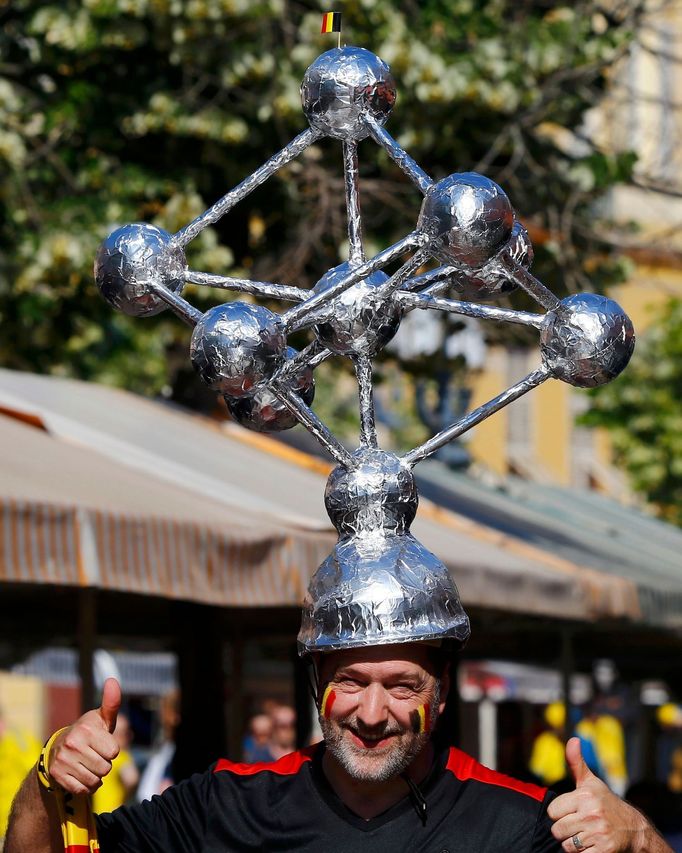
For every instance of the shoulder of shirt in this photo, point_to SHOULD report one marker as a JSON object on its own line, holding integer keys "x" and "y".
{"x": 466, "y": 768}
{"x": 288, "y": 765}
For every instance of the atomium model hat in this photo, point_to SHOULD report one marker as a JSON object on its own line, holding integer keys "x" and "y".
{"x": 379, "y": 585}
{"x": 372, "y": 592}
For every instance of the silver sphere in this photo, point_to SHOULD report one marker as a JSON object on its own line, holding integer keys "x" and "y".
{"x": 358, "y": 321}
{"x": 520, "y": 250}
{"x": 491, "y": 281}
{"x": 377, "y": 590}
{"x": 262, "y": 411}
{"x": 236, "y": 346}
{"x": 587, "y": 340}
{"x": 469, "y": 217}
{"x": 133, "y": 257}
{"x": 341, "y": 87}
{"x": 377, "y": 494}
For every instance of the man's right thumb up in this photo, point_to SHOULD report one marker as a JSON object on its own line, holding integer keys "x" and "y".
{"x": 111, "y": 703}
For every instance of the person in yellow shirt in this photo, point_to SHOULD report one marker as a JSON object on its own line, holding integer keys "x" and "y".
{"x": 121, "y": 781}
{"x": 548, "y": 760}
{"x": 669, "y": 717}
{"x": 19, "y": 751}
{"x": 610, "y": 745}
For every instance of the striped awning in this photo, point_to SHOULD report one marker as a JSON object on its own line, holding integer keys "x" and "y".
{"x": 100, "y": 488}
{"x": 74, "y": 546}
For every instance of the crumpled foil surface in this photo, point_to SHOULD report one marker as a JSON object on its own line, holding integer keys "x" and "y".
{"x": 341, "y": 86}
{"x": 470, "y": 218}
{"x": 587, "y": 340}
{"x": 359, "y": 321}
{"x": 236, "y": 346}
{"x": 379, "y": 585}
{"x": 492, "y": 280}
{"x": 379, "y": 589}
{"x": 263, "y": 411}
{"x": 133, "y": 257}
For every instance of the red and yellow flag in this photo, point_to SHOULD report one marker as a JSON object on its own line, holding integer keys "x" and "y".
{"x": 422, "y": 719}
{"x": 79, "y": 831}
{"x": 328, "y": 699}
{"x": 331, "y": 22}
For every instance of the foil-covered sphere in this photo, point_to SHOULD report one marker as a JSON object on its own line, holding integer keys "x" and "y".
{"x": 358, "y": 321}
{"x": 341, "y": 87}
{"x": 587, "y": 340}
{"x": 491, "y": 280}
{"x": 469, "y": 218}
{"x": 377, "y": 494}
{"x": 132, "y": 258}
{"x": 263, "y": 411}
{"x": 236, "y": 346}
{"x": 377, "y": 590}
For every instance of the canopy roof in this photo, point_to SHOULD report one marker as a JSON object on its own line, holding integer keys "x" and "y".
{"x": 100, "y": 487}
{"x": 579, "y": 526}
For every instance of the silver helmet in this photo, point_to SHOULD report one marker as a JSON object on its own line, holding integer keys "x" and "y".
{"x": 379, "y": 585}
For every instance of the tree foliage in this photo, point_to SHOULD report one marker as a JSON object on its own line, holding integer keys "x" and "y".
{"x": 643, "y": 413}
{"x": 122, "y": 110}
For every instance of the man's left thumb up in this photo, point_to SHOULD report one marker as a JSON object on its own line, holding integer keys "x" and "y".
{"x": 576, "y": 763}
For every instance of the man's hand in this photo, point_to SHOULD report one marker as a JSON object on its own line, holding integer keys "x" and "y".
{"x": 82, "y": 754}
{"x": 593, "y": 818}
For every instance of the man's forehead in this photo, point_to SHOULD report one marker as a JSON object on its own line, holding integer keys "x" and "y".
{"x": 394, "y": 657}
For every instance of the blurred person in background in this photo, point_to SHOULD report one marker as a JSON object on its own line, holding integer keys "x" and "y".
{"x": 283, "y": 731}
{"x": 669, "y": 718}
{"x": 660, "y": 798}
{"x": 548, "y": 759}
{"x": 19, "y": 751}
{"x": 613, "y": 709}
{"x": 609, "y": 741}
{"x": 586, "y": 731}
{"x": 257, "y": 744}
{"x": 158, "y": 772}
{"x": 119, "y": 784}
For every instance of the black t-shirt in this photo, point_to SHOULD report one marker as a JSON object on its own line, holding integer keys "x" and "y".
{"x": 289, "y": 805}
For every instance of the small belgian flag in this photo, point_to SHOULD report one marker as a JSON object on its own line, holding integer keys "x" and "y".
{"x": 331, "y": 22}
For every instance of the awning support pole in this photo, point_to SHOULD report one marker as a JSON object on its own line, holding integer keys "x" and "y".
{"x": 200, "y": 736}
{"x": 567, "y": 668}
{"x": 235, "y": 728}
{"x": 87, "y": 633}
{"x": 302, "y": 699}
{"x": 487, "y": 732}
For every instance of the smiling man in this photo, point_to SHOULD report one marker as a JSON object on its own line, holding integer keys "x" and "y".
{"x": 379, "y": 781}
{"x": 381, "y": 623}
{"x": 388, "y": 776}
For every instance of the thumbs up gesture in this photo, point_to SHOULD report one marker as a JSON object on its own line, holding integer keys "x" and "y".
{"x": 593, "y": 818}
{"x": 82, "y": 754}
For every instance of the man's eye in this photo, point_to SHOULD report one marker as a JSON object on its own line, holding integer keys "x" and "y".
{"x": 349, "y": 682}
{"x": 402, "y": 688}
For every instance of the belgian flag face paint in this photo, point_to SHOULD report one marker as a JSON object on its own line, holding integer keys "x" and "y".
{"x": 327, "y": 703}
{"x": 421, "y": 719}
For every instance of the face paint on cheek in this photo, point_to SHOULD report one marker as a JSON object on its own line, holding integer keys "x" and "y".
{"x": 327, "y": 703}
{"x": 421, "y": 719}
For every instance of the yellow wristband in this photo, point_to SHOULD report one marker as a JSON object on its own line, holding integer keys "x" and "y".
{"x": 43, "y": 763}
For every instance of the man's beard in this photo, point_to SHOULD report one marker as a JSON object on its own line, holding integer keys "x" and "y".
{"x": 384, "y": 763}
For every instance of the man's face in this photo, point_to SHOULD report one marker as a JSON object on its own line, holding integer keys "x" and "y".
{"x": 373, "y": 727}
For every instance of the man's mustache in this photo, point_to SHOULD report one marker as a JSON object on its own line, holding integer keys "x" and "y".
{"x": 374, "y": 733}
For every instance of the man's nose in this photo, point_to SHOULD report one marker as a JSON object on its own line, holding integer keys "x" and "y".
{"x": 373, "y": 707}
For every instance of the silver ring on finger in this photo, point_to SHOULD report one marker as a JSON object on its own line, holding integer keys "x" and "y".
{"x": 577, "y": 843}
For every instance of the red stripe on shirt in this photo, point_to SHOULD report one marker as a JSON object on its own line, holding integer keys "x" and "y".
{"x": 286, "y": 766}
{"x": 465, "y": 767}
